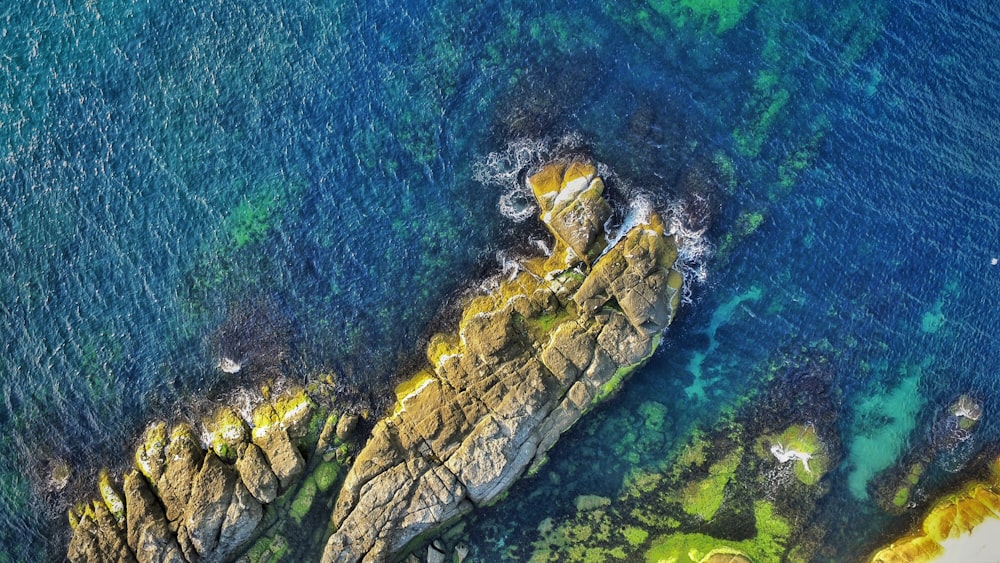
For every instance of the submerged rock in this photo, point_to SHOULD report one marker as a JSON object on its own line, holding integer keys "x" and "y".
{"x": 948, "y": 445}
{"x": 528, "y": 360}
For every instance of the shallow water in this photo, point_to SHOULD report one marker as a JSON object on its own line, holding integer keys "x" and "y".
{"x": 295, "y": 186}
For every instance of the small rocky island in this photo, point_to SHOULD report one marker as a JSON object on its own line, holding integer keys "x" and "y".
{"x": 528, "y": 359}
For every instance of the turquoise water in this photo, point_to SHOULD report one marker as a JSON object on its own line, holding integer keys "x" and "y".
{"x": 301, "y": 187}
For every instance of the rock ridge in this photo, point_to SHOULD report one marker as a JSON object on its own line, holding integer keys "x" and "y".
{"x": 527, "y": 361}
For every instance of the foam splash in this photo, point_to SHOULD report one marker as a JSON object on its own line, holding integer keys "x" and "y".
{"x": 505, "y": 169}
{"x": 693, "y": 249}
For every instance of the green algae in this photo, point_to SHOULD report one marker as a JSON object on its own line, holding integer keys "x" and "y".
{"x": 635, "y": 536}
{"x": 801, "y": 158}
{"x": 326, "y": 475}
{"x": 654, "y": 415}
{"x": 268, "y": 550}
{"x": 227, "y": 431}
{"x": 303, "y": 500}
{"x": 768, "y": 544}
{"x": 111, "y": 495}
{"x": 569, "y": 32}
{"x": 801, "y": 438}
{"x": 234, "y": 262}
{"x": 703, "y": 498}
{"x": 715, "y": 16}
{"x": 767, "y": 103}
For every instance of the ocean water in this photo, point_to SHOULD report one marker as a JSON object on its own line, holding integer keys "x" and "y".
{"x": 303, "y": 187}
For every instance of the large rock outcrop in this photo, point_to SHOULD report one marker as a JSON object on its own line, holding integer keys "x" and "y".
{"x": 528, "y": 360}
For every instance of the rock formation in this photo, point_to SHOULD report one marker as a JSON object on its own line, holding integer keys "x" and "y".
{"x": 182, "y": 503}
{"x": 528, "y": 360}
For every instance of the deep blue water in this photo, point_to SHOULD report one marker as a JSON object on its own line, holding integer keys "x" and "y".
{"x": 295, "y": 185}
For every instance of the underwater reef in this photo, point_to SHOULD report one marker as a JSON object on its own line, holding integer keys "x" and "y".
{"x": 533, "y": 352}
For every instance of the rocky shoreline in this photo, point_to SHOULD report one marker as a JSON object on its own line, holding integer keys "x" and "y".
{"x": 529, "y": 358}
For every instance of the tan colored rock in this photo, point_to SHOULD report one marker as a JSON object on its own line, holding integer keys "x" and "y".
{"x": 203, "y": 508}
{"x": 242, "y": 517}
{"x": 150, "y": 456}
{"x": 492, "y": 337}
{"x": 282, "y": 456}
{"x": 962, "y": 526}
{"x": 346, "y": 425}
{"x": 569, "y": 195}
{"x": 147, "y": 530}
{"x": 98, "y": 539}
{"x": 211, "y": 494}
{"x": 228, "y": 434}
{"x": 294, "y": 410}
{"x": 174, "y": 486}
{"x": 256, "y": 474}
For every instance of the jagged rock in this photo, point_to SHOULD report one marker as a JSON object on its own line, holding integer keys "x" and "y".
{"x": 148, "y": 534}
{"x": 571, "y": 204}
{"x": 346, "y": 425}
{"x": 528, "y": 360}
{"x": 228, "y": 433}
{"x": 284, "y": 459}
{"x": 211, "y": 494}
{"x": 294, "y": 410}
{"x": 492, "y": 337}
{"x": 256, "y": 475}
{"x": 150, "y": 456}
{"x": 953, "y": 529}
{"x": 174, "y": 486}
{"x": 99, "y": 539}
{"x": 435, "y": 553}
{"x": 242, "y": 517}
{"x": 202, "y": 508}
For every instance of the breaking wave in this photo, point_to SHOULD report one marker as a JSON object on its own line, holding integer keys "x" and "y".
{"x": 693, "y": 248}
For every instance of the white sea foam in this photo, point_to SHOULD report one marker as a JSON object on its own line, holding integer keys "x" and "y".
{"x": 505, "y": 170}
{"x": 693, "y": 248}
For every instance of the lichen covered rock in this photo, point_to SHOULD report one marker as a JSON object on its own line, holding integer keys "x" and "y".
{"x": 528, "y": 359}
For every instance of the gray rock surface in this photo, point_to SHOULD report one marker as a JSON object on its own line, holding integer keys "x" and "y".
{"x": 185, "y": 504}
